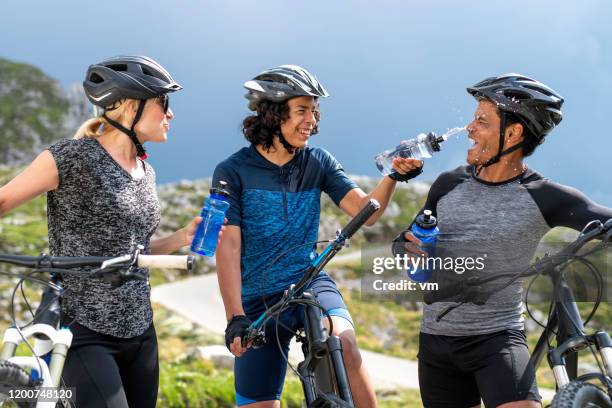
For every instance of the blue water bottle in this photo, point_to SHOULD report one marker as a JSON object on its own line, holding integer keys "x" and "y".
{"x": 426, "y": 229}
{"x": 213, "y": 217}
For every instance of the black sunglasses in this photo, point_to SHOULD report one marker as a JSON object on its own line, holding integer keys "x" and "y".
{"x": 164, "y": 101}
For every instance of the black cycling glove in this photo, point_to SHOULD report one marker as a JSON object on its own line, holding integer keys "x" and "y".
{"x": 236, "y": 328}
{"x": 405, "y": 177}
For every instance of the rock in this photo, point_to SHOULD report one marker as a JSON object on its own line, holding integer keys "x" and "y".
{"x": 219, "y": 355}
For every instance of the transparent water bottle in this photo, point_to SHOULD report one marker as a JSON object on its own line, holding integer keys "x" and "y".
{"x": 213, "y": 216}
{"x": 421, "y": 147}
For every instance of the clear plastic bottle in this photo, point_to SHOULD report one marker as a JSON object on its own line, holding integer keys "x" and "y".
{"x": 213, "y": 216}
{"x": 421, "y": 147}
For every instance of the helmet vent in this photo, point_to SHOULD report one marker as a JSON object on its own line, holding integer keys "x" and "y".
{"x": 118, "y": 67}
{"x": 516, "y": 95}
{"x": 146, "y": 71}
{"x": 95, "y": 78}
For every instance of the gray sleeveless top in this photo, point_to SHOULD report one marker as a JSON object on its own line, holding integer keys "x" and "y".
{"x": 100, "y": 210}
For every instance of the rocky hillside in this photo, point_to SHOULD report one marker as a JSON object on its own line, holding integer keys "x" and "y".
{"x": 34, "y": 111}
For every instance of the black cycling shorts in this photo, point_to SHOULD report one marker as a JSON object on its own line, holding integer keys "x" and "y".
{"x": 108, "y": 371}
{"x": 260, "y": 373}
{"x": 457, "y": 371}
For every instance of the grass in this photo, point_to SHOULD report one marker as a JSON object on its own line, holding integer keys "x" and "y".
{"x": 385, "y": 327}
{"x": 189, "y": 381}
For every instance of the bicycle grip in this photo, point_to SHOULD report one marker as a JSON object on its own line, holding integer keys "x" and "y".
{"x": 362, "y": 216}
{"x": 166, "y": 261}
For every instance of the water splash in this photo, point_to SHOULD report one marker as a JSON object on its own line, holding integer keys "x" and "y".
{"x": 452, "y": 132}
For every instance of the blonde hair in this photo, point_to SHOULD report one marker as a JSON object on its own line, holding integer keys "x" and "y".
{"x": 121, "y": 111}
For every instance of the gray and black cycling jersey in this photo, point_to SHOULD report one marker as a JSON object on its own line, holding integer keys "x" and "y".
{"x": 98, "y": 209}
{"x": 503, "y": 223}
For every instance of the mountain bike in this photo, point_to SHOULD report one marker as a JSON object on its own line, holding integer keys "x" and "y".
{"x": 322, "y": 372}
{"x": 593, "y": 389}
{"x": 35, "y": 381}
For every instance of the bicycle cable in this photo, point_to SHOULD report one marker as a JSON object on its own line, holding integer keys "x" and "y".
{"x": 18, "y": 329}
{"x": 286, "y": 306}
{"x": 277, "y": 258}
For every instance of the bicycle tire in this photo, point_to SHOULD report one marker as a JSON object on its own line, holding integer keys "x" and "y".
{"x": 14, "y": 376}
{"x": 580, "y": 394}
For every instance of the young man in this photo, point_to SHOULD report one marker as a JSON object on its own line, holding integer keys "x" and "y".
{"x": 498, "y": 206}
{"x": 275, "y": 186}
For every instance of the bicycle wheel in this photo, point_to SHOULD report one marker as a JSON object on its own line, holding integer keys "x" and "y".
{"x": 579, "y": 394}
{"x": 13, "y": 376}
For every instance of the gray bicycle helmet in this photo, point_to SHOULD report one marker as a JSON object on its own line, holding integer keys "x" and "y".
{"x": 127, "y": 76}
{"x": 282, "y": 83}
{"x": 537, "y": 106}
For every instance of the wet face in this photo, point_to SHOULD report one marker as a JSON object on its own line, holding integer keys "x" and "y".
{"x": 483, "y": 133}
{"x": 303, "y": 117}
{"x": 154, "y": 123}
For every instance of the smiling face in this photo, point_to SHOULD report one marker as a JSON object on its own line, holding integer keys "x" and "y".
{"x": 483, "y": 132}
{"x": 303, "y": 117}
{"x": 154, "y": 124}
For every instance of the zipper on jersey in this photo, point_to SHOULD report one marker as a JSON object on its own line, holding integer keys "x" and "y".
{"x": 282, "y": 180}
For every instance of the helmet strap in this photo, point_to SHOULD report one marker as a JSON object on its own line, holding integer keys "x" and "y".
{"x": 140, "y": 150}
{"x": 500, "y": 152}
{"x": 288, "y": 146}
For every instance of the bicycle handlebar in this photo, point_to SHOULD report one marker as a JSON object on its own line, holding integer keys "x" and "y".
{"x": 362, "y": 216}
{"x": 601, "y": 230}
{"x": 65, "y": 262}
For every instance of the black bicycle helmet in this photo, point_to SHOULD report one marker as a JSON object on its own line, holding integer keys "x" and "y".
{"x": 282, "y": 83}
{"x": 128, "y": 76}
{"x": 537, "y": 106}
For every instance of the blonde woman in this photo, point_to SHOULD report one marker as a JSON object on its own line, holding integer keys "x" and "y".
{"x": 102, "y": 201}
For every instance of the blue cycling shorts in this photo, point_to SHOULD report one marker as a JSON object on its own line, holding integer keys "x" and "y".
{"x": 260, "y": 373}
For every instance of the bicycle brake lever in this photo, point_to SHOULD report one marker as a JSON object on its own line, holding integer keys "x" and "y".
{"x": 256, "y": 338}
{"x": 134, "y": 274}
{"x": 347, "y": 242}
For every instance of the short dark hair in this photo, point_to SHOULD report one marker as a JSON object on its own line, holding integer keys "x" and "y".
{"x": 530, "y": 141}
{"x": 261, "y": 128}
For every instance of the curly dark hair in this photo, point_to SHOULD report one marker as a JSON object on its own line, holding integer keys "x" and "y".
{"x": 261, "y": 128}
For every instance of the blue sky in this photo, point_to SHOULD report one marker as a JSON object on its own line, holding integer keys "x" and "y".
{"x": 393, "y": 68}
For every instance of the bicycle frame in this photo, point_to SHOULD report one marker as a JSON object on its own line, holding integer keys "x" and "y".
{"x": 322, "y": 371}
{"x": 50, "y": 341}
{"x": 565, "y": 318}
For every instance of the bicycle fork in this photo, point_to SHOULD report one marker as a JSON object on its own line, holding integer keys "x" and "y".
{"x": 323, "y": 369}
{"x": 571, "y": 339}
{"x": 57, "y": 342}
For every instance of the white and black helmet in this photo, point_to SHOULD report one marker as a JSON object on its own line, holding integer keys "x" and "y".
{"x": 127, "y": 76}
{"x": 282, "y": 83}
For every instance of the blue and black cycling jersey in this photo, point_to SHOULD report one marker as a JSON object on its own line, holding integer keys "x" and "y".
{"x": 277, "y": 208}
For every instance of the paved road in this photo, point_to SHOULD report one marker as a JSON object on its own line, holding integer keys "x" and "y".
{"x": 198, "y": 299}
